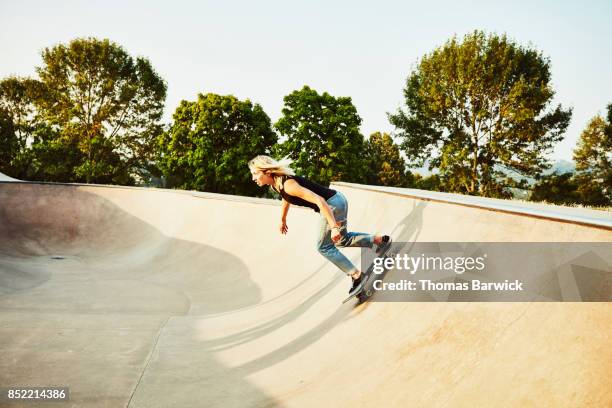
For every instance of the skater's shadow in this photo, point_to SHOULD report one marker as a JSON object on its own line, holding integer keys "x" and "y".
{"x": 406, "y": 230}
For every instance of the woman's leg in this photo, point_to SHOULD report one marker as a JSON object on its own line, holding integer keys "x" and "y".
{"x": 348, "y": 239}
{"x": 326, "y": 246}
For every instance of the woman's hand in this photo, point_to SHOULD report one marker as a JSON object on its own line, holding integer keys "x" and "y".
{"x": 283, "y": 227}
{"x": 335, "y": 233}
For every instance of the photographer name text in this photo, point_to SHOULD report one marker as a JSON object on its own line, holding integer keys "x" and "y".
{"x": 428, "y": 285}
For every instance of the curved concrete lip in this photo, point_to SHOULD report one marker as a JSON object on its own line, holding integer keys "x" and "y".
{"x": 582, "y": 216}
{"x": 4, "y": 177}
{"x": 167, "y": 298}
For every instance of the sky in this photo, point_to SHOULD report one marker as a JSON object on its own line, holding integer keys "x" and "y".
{"x": 264, "y": 50}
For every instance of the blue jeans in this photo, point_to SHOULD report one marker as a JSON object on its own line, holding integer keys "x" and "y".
{"x": 326, "y": 246}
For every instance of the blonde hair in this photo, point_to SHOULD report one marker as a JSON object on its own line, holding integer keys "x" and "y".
{"x": 275, "y": 168}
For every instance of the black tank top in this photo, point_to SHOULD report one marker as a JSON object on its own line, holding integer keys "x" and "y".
{"x": 324, "y": 192}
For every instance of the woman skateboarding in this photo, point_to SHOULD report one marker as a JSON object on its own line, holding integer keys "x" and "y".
{"x": 330, "y": 204}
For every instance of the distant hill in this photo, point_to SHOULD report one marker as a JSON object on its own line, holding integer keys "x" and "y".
{"x": 424, "y": 170}
{"x": 558, "y": 167}
{"x": 562, "y": 166}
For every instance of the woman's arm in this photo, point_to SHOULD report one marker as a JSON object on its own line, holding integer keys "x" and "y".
{"x": 293, "y": 188}
{"x": 284, "y": 209}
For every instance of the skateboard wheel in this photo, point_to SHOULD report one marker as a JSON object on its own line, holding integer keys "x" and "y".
{"x": 369, "y": 292}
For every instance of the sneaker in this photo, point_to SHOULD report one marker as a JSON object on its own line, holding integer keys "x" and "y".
{"x": 357, "y": 284}
{"x": 384, "y": 245}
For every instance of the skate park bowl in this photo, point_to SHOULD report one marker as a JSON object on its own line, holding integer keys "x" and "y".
{"x": 136, "y": 297}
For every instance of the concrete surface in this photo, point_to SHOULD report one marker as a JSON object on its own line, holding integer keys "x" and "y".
{"x": 4, "y": 177}
{"x": 155, "y": 298}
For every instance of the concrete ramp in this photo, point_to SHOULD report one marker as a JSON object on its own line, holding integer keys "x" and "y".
{"x": 155, "y": 298}
{"x": 4, "y": 177}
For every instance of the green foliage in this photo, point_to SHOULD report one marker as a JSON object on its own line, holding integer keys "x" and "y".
{"x": 476, "y": 107}
{"x": 569, "y": 188}
{"x": 323, "y": 137}
{"x": 17, "y": 98}
{"x": 431, "y": 182}
{"x": 19, "y": 122}
{"x": 593, "y": 156}
{"x": 9, "y": 144}
{"x": 53, "y": 157}
{"x": 210, "y": 142}
{"x": 556, "y": 189}
{"x": 105, "y": 104}
{"x": 591, "y": 192}
{"x": 592, "y": 183}
{"x": 385, "y": 164}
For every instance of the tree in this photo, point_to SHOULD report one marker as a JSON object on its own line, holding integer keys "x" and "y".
{"x": 431, "y": 182}
{"x": 322, "y": 136}
{"x": 9, "y": 145}
{"x": 569, "y": 188}
{"x": 105, "y": 103}
{"x": 54, "y": 157}
{"x": 17, "y": 103}
{"x": 17, "y": 97}
{"x": 477, "y": 107}
{"x": 556, "y": 189}
{"x": 210, "y": 142}
{"x": 386, "y": 165}
{"x": 593, "y": 156}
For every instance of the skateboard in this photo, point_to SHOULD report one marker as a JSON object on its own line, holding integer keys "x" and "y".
{"x": 367, "y": 288}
